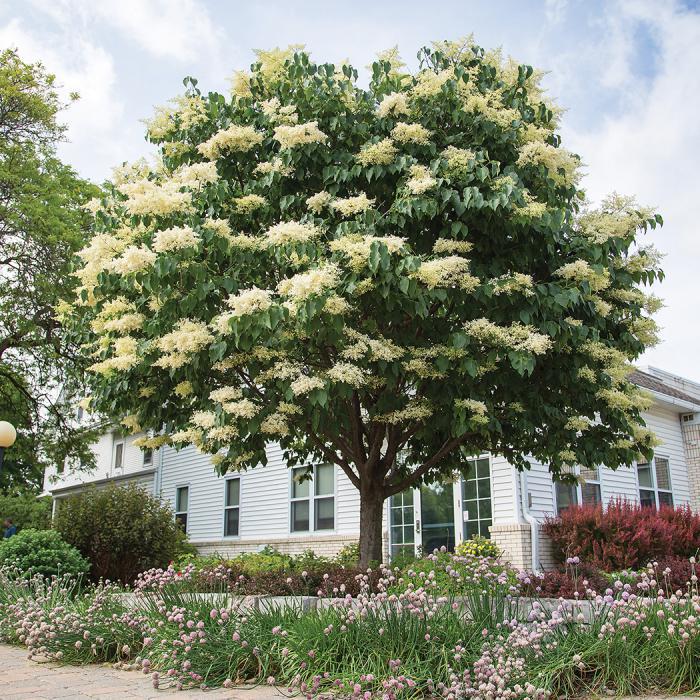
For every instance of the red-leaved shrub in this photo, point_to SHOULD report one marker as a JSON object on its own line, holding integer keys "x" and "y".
{"x": 623, "y": 535}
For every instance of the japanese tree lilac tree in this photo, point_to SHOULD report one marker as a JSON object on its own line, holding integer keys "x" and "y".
{"x": 389, "y": 278}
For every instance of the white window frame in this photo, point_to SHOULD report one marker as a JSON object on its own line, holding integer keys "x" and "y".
{"x": 312, "y": 498}
{"x": 579, "y": 488}
{"x": 152, "y": 452}
{"x": 186, "y": 513}
{"x": 117, "y": 445}
{"x": 459, "y": 510}
{"x": 655, "y": 486}
{"x": 230, "y": 507}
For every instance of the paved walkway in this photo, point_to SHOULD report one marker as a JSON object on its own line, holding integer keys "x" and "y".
{"x": 21, "y": 679}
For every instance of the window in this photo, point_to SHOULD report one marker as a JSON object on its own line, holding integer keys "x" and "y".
{"x": 147, "y": 457}
{"x": 232, "y": 507}
{"x": 655, "y": 482}
{"x": 119, "y": 455}
{"x": 313, "y": 498}
{"x": 182, "y": 503}
{"x": 590, "y": 488}
{"x": 586, "y": 492}
{"x": 476, "y": 499}
{"x": 401, "y": 517}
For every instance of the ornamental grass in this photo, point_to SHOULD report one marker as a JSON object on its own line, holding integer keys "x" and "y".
{"x": 445, "y": 627}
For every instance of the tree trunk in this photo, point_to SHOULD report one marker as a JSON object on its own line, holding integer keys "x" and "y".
{"x": 371, "y": 508}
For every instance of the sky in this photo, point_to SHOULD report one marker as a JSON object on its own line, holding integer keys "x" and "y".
{"x": 626, "y": 72}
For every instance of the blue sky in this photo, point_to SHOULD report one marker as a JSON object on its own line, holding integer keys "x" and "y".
{"x": 625, "y": 71}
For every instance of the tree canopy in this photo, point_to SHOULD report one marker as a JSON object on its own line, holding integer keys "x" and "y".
{"x": 390, "y": 278}
{"x": 42, "y": 225}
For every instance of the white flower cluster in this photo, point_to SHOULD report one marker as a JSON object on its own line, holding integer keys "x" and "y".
{"x": 317, "y": 202}
{"x": 195, "y": 175}
{"x": 374, "y": 349}
{"x": 291, "y": 232}
{"x": 307, "y": 284}
{"x": 235, "y": 138}
{"x": 451, "y": 271}
{"x": 290, "y": 136}
{"x": 429, "y": 83}
{"x": 276, "y": 165}
{"x": 561, "y": 165}
{"x": 513, "y": 283}
{"x": 581, "y": 271}
{"x": 459, "y": 160}
{"x": 516, "y": 336}
{"x": 133, "y": 259}
{"x": 304, "y": 384}
{"x": 449, "y": 245}
{"x": 249, "y": 301}
{"x": 421, "y": 180}
{"x": 150, "y": 197}
{"x": 411, "y": 133}
{"x": 248, "y": 203}
{"x": 416, "y": 410}
{"x": 278, "y": 113}
{"x": 180, "y": 345}
{"x": 348, "y": 373}
{"x": 351, "y": 206}
{"x": 393, "y": 104}
{"x": 176, "y": 238}
{"x": 380, "y": 153}
{"x": 357, "y": 248}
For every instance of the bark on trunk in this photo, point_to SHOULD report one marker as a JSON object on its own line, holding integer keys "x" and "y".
{"x": 371, "y": 506}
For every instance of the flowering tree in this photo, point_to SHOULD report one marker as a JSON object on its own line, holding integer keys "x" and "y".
{"x": 390, "y": 279}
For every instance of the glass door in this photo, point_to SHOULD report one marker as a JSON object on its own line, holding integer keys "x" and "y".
{"x": 476, "y": 499}
{"x": 437, "y": 510}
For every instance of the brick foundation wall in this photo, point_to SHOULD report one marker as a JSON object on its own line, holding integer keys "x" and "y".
{"x": 691, "y": 445}
{"x": 516, "y": 542}
{"x": 326, "y": 546}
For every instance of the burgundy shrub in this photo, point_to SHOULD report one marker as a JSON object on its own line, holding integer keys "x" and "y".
{"x": 623, "y": 535}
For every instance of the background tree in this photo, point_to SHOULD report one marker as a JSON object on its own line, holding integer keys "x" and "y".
{"x": 42, "y": 225}
{"x": 390, "y": 279}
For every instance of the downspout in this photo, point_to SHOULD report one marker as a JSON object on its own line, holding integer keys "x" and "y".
{"x": 531, "y": 520}
{"x": 158, "y": 476}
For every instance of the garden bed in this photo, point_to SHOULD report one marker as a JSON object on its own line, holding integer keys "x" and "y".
{"x": 404, "y": 634}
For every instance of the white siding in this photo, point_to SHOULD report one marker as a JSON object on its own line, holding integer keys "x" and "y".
{"x": 504, "y": 491}
{"x": 264, "y": 499}
{"x": 665, "y": 423}
{"x": 104, "y": 449}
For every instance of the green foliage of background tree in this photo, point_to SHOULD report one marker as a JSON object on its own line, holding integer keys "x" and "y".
{"x": 388, "y": 278}
{"x": 42, "y": 225}
{"x": 121, "y": 530}
{"x": 26, "y": 511}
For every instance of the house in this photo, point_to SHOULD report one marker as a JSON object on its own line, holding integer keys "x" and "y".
{"x": 267, "y": 506}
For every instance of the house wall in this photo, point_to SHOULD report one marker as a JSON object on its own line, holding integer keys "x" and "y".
{"x": 72, "y": 478}
{"x": 265, "y": 505}
{"x": 514, "y": 536}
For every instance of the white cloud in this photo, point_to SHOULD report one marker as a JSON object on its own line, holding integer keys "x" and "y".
{"x": 650, "y": 150}
{"x": 88, "y": 69}
{"x": 175, "y": 29}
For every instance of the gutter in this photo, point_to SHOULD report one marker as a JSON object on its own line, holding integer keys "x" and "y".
{"x": 97, "y": 482}
{"x": 531, "y": 520}
{"x": 158, "y": 478}
{"x": 673, "y": 401}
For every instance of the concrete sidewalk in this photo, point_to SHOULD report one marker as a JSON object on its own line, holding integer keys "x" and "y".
{"x": 21, "y": 679}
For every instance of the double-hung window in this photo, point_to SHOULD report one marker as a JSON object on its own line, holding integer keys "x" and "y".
{"x": 148, "y": 457}
{"x": 182, "y": 505}
{"x": 232, "y": 507}
{"x": 119, "y": 455}
{"x": 586, "y": 492}
{"x": 655, "y": 482}
{"x": 313, "y": 498}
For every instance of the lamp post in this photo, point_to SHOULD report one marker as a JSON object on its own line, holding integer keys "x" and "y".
{"x": 8, "y": 435}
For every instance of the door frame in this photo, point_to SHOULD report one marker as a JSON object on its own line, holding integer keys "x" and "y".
{"x": 457, "y": 507}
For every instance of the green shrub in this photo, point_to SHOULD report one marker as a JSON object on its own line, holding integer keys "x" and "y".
{"x": 349, "y": 555}
{"x": 478, "y": 546}
{"x": 122, "y": 530}
{"x": 26, "y": 511}
{"x": 41, "y": 552}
